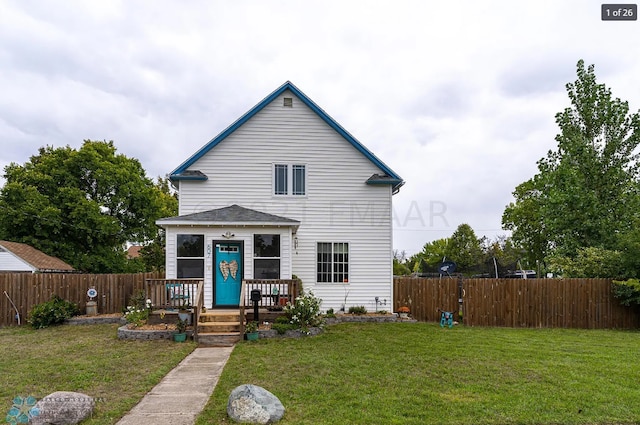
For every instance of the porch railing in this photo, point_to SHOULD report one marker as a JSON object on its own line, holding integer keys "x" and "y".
{"x": 274, "y": 293}
{"x": 172, "y": 294}
{"x": 241, "y": 306}
{"x": 198, "y": 307}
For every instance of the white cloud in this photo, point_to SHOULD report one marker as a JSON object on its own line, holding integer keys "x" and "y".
{"x": 458, "y": 98}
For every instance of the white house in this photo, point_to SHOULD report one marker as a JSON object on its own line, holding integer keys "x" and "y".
{"x": 18, "y": 257}
{"x": 285, "y": 191}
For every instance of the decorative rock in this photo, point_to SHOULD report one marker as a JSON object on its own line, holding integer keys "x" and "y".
{"x": 254, "y": 405}
{"x": 63, "y": 408}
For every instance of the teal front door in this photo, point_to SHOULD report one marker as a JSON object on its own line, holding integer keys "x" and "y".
{"x": 227, "y": 263}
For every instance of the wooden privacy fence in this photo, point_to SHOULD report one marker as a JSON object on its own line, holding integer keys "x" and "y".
{"x": 27, "y": 290}
{"x": 531, "y": 303}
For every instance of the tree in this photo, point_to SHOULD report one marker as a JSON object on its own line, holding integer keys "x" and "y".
{"x": 464, "y": 249}
{"x": 430, "y": 257}
{"x": 152, "y": 254}
{"x": 400, "y": 263}
{"x": 586, "y": 192}
{"x": 81, "y": 205}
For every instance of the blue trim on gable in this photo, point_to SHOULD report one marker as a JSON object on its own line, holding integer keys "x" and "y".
{"x": 175, "y": 177}
{"x": 325, "y": 117}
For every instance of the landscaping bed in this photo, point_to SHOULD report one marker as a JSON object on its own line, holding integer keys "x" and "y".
{"x": 149, "y": 332}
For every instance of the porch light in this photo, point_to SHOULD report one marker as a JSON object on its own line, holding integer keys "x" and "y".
{"x": 228, "y": 235}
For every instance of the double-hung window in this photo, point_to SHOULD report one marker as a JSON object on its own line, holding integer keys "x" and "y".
{"x": 333, "y": 262}
{"x": 190, "y": 258}
{"x": 290, "y": 179}
{"x": 266, "y": 256}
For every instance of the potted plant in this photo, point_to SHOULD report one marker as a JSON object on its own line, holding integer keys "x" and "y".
{"x": 404, "y": 311}
{"x": 181, "y": 328}
{"x": 251, "y": 331}
{"x": 184, "y": 312}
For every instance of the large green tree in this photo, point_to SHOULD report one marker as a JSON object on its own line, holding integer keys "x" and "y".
{"x": 82, "y": 205}
{"x": 465, "y": 249}
{"x": 586, "y": 192}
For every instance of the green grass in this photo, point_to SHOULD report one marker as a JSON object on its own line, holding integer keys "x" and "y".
{"x": 88, "y": 359}
{"x": 408, "y": 373}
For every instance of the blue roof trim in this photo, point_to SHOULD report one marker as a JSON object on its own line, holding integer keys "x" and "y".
{"x": 175, "y": 177}
{"x": 322, "y": 114}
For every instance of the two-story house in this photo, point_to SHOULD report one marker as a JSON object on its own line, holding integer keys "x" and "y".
{"x": 285, "y": 191}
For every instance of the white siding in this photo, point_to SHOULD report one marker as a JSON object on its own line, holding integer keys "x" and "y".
{"x": 338, "y": 206}
{"x": 9, "y": 262}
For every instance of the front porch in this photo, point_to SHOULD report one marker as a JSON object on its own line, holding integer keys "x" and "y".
{"x": 221, "y": 326}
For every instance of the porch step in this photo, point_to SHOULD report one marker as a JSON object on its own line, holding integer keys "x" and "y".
{"x": 219, "y": 339}
{"x": 219, "y": 328}
{"x": 220, "y": 316}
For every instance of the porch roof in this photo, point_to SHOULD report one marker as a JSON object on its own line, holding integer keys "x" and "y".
{"x": 233, "y": 215}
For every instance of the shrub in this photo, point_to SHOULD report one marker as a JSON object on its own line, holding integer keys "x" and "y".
{"x": 627, "y": 291}
{"x": 305, "y": 311}
{"x": 139, "y": 309}
{"x": 53, "y": 312}
{"x": 281, "y": 328}
{"x": 282, "y": 320}
{"x": 357, "y": 309}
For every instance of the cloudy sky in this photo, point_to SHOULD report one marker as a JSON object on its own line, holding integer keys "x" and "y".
{"x": 459, "y": 98}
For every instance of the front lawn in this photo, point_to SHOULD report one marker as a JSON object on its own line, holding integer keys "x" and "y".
{"x": 89, "y": 359}
{"x": 417, "y": 373}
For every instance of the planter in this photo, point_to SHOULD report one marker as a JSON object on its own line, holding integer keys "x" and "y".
{"x": 404, "y": 315}
{"x": 185, "y": 316}
{"x": 253, "y": 336}
{"x": 180, "y": 337}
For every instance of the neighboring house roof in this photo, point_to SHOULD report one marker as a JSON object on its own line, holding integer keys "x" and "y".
{"x": 134, "y": 251}
{"x": 233, "y": 215}
{"x": 181, "y": 173}
{"x": 35, "y": 258}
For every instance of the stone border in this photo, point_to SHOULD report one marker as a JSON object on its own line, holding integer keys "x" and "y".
{"x": 292, "y": 333}
{"x": 340, "y": 318}
{"x": 363, "y": 318}
{"x": 145, "y": 335}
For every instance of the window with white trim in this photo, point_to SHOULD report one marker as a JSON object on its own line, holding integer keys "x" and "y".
{"x": 333, "y": 262}
{"x": 190, "y": 256}
{"x": 290, "y": 179}
{"x": 266, "y": 256}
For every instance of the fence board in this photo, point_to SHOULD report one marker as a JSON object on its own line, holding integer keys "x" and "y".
{"x": 27, "y": 289}
{"x": 533, "y": 303}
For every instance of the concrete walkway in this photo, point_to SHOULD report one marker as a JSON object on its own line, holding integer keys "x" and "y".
{"x": 183, "y": 392}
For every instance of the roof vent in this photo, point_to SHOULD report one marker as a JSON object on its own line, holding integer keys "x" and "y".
{"x": 288, "y": 102}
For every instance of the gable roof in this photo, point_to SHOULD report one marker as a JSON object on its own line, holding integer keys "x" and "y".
{"x": 233, "y": 215}
{"x": 35, "y": 258}
{"x": 181, "y": 173}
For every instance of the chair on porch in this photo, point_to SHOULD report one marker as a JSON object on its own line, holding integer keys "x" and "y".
{"x": 177, "y": 295}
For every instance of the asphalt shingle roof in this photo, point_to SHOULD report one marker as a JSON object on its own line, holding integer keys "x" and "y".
{"x": 230, "y": 215}
{"x": 35, "y": 258}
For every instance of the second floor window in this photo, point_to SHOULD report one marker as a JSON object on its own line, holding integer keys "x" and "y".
{"x": 290, "y": 179}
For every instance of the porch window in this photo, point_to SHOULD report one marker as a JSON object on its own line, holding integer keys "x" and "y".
{"x": 266, "y": 256}
{"x": 333, "y": 262}
{"x": 289, "y": 179}
{"x": 190, "y": 256}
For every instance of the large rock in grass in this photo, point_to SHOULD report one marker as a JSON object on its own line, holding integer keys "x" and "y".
{"x": 63, "y": 408}
{"x": 251, "y": 404}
